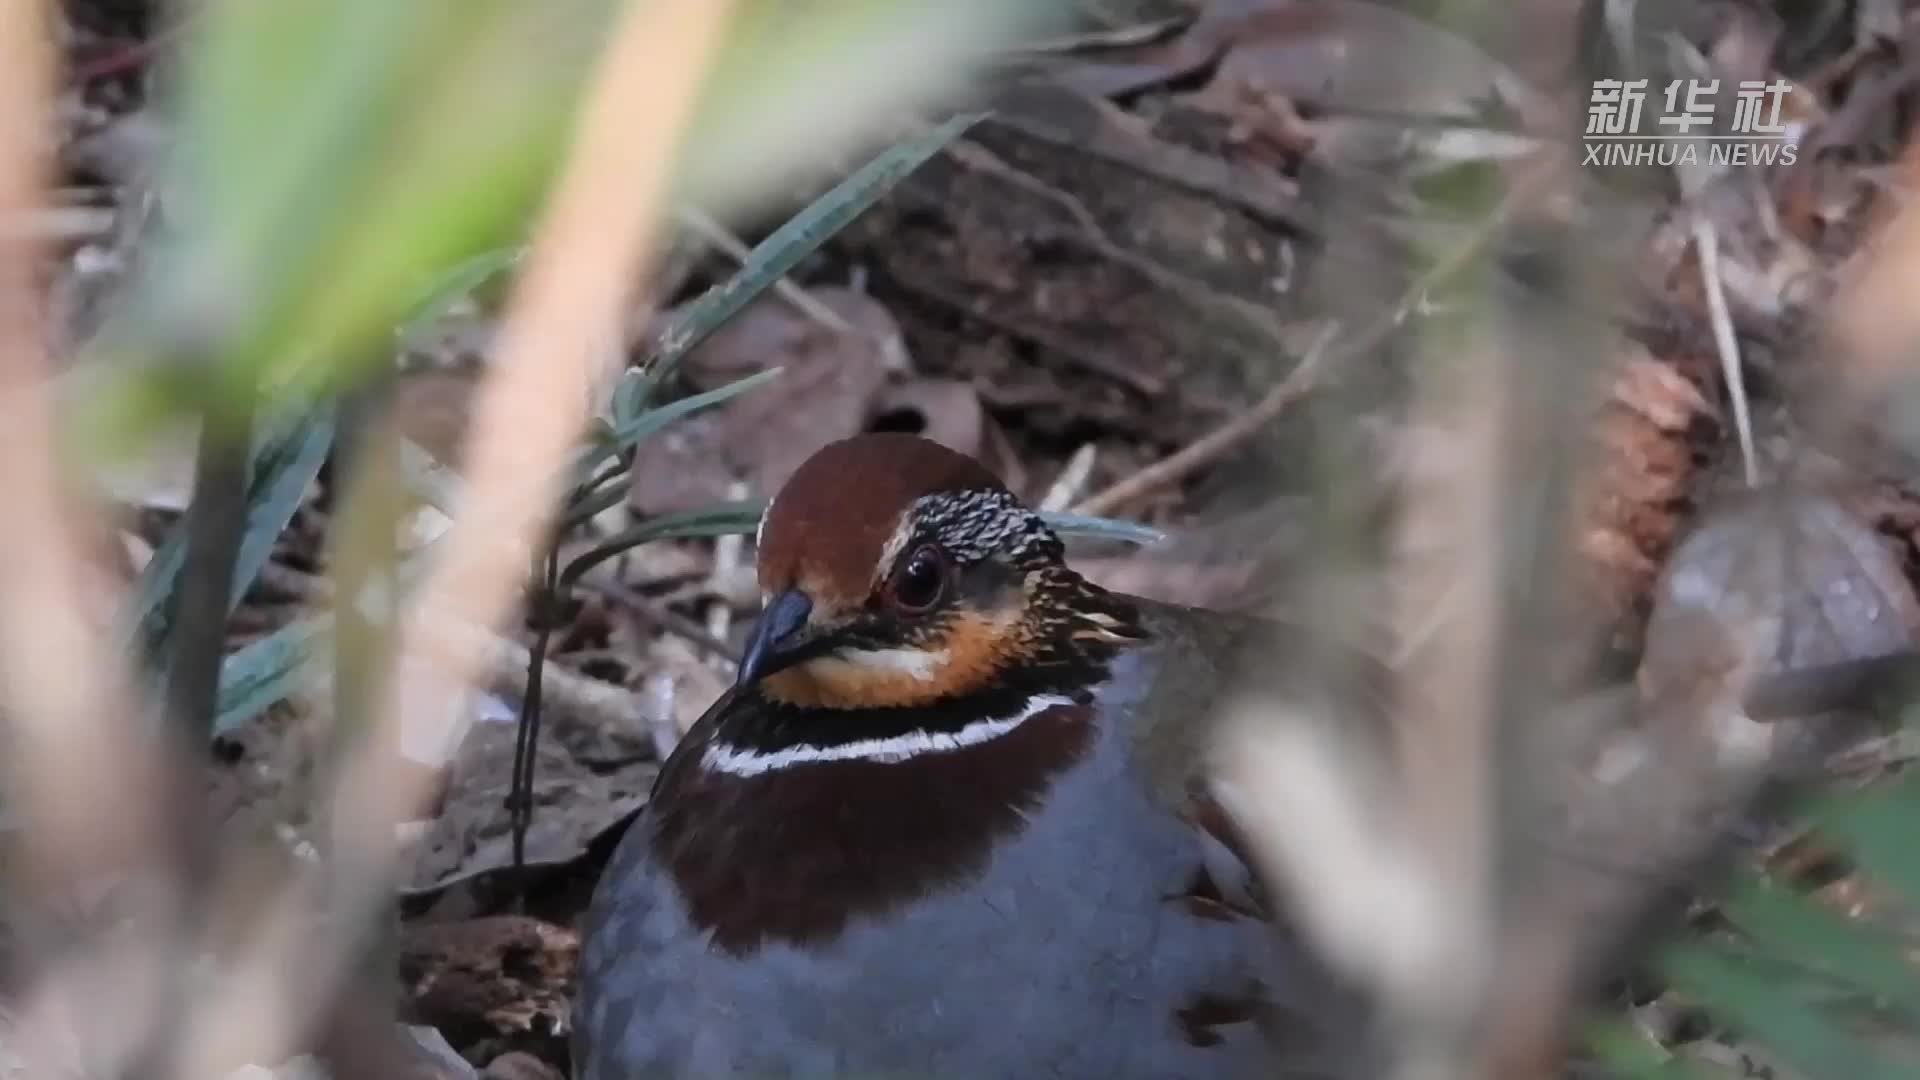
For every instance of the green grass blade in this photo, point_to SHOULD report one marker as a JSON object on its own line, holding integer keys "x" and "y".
{"x": 1100, "y": 528}
{"x": 456, "y": 282}
{"x": 728, "y": 519}
{"x": 648, "y": 424}
{"x": 286, "y": 461}
{"x": 262, "y": 673}
{"x": 800, "y": 237}
{"x": 283, "y": 471}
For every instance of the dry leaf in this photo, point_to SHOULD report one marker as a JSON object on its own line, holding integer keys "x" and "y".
{"x": 826, "y": 391}
{"x": 508, "y": 975}
{"x": 575, "y": 802}
{"x": 1771, "y": 581}
{"x": 1635, "y": 490}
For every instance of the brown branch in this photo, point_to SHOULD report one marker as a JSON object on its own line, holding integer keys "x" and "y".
{"x": 1305, "y": 375}
{"x": 1197, "y": 454}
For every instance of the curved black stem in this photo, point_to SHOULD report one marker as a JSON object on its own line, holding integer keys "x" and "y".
{"x": 546, "y": 604}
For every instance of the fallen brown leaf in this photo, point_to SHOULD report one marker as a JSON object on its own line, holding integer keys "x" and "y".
{"x": 826, "y": 391}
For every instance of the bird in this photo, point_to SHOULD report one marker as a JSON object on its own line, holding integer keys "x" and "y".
{"x": 951, "y": 819}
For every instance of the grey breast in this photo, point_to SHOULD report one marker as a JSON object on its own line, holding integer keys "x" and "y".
{"x": 1066, "y": 957}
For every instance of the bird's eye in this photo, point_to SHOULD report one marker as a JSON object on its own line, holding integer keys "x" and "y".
{"x": 920, "y": 581}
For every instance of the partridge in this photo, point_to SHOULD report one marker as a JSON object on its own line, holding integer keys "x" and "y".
{"x": 951, "y": 820}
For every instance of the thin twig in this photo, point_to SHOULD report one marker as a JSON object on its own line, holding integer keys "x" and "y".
{"x": 596, "y": 702}
{"x": 1706, "y": 242}
{"x": 1303, "y": 377}
{"x": 1175, "y": 467}
{"x": 547, "y": 597}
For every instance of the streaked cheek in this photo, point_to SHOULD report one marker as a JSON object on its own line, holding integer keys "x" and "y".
{"x": 924, "y": 665}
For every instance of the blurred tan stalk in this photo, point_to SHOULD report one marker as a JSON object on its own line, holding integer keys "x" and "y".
{"x": 87, "y": 795}
{"x": 590, "y": 247}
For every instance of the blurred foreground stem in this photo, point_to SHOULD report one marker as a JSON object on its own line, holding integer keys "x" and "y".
{"x": 216, "y": 523}
{"x": 368, "y": 506}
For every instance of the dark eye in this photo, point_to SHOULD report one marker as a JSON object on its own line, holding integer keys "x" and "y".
{"x": 919, "y": 582}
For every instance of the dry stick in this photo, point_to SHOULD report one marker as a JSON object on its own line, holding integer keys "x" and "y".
{"x": 1170, "y": 470}
{"x": 504, "y": 661}
{"x": 530, "y": 407}
{"x": 1706, "y": 243}
{"x": 1302, "y": 379}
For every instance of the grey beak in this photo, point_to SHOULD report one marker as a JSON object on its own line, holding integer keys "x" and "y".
{"x": 770, "y": 646}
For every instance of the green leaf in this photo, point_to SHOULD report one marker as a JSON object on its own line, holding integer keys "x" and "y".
{"x": 264, "y": 672}
{"x": 456, "y": 283}
{"x": 648, "y": 424}
{"x": 1877, "y": 826}
{"x": 631, "y": 396}
{"x": 800, "y": 237}
{"x": 284, "y": 464}
{"x": 596, "y": 499}
{"x": 334, "y": 155}
{"x": 1761, "y": 1000}
{"x": 728, "y": 519}
{"x": 1795, "y": 929}
{"x": 337, "y": 157}
{"x": 283, "y": 471}
{"x": 1628, "y": 1052}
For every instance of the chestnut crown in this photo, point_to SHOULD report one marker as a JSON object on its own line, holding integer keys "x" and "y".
{"x": 895, "y": 572}
{"x": 849, "y": 506}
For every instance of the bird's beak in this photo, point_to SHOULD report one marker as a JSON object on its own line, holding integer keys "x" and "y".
{"x": 777, "y": 639}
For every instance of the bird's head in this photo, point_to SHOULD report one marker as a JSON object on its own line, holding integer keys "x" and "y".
{"x": 896, "y": 572}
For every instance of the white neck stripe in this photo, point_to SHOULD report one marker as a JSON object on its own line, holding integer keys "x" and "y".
{"x": 719, "y": 757}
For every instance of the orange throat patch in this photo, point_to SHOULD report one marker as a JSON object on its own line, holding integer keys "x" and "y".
{"x": 974, "y": 648}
